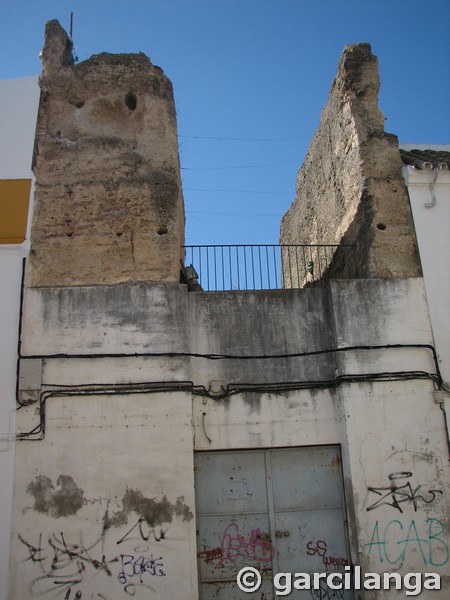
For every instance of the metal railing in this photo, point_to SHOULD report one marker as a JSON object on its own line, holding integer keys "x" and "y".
{"x": 265, "y": 267}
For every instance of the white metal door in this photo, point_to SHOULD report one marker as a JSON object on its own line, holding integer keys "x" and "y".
{"x": 279, "y": 510}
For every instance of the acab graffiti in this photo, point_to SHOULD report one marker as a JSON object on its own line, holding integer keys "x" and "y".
{"x": 395, "y": 541}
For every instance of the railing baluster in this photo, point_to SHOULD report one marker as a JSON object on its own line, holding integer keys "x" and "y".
{"x": 290, "y": 268}
{"x": 223, "y": 270}
{"x": 275, "y": 268}
{"x": 297, "y": 270}
{"x": 207, "y": 268}
{"x": 245, "y": 269}
{"x": 231, "y": 270}
{"x": 215, "y": 270}
{"x": 253, "y": 268}
{"x": 319, "y": 261}
{"x": 309, "y": 264}
{"x": 305, "y": 268}
{"x": 260, "y": 269}
{"x": 268, "y": 270}
{"x": 237, "y": 268}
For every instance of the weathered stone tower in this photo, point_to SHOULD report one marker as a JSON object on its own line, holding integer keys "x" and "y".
{"x": 108, "y": 201}
{"x": 350, "y": 189}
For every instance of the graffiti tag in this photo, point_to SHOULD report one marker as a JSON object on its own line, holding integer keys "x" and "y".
{"x": 323, "y": 592}
{"x": 144, "y": 531}
{"x": 393, "y": 542}
{"x": 233, "y": 544}
{"x": 320, "y": 548}
{"x": 398, "y": 493}
{"x": 138, "y": 567}
{"x": 64, "y": 564}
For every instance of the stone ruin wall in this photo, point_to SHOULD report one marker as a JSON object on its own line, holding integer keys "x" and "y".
{"x": 108, "y": 200}
{"x": 350, "y": 189}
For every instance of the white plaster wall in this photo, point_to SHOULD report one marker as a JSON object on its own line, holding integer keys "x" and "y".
{"x": 432, "y": 223}
{"x": 395, "y": 450}
{"x": 10, "y": 274}
{"x": 124, "y": 524}
{"x": 267, "y": 420}
{"x": 18, "y": 110}
{"x": 146, "y": 441}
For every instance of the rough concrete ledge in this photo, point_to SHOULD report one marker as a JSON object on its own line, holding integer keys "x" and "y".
{"x": 246, "y": 327}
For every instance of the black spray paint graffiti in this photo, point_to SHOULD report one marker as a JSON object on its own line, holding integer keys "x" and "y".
{"x": 153, "y": 515}
{"x": 398, "y": 492}
{"x": 65, "y": 564}
{"x": 323, "y": 592}
{"x": 142, "y": 530}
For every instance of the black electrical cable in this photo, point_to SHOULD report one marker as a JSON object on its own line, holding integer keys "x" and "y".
{"x": 200, "y": 390}
{"x": 231, "y": 389}
{"x": 213, "y": 356}
{"x": 99, "y": 390}
{"x": 19, "y": 334}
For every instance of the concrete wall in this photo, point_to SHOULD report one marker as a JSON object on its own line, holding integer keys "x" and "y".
{"x": 111, "y": 482}
{"x": 18, "y": 107}
{"x": 350, "y": 188}
{"x": 109, "y": 205}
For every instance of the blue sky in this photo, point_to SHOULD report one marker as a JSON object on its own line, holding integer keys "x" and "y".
{"x": 250, "y": 79}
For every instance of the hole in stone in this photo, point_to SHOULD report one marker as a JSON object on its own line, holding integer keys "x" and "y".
{"x": 119, "y": 233}
{"x": 161, "y": 230}
{"x": 79, "y": 104}
{"x": 70, "y": 235}
{"x": 381, "y": 226}
{"x": 131, "y": 101}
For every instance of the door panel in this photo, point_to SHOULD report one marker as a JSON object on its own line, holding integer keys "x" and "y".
{"x": 230, "y": 482}
{"x": 307, "y": 477}
{"x": 279, "y": 510}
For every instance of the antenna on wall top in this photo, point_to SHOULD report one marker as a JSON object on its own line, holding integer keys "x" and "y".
{"x": 74, "y": 55}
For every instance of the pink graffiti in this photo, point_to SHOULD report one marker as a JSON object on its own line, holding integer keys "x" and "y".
{"x": 233, "y": 545}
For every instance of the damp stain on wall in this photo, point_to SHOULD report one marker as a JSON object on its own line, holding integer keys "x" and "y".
{"x": 61, "y": 501}
{"x": 155, "y": 512}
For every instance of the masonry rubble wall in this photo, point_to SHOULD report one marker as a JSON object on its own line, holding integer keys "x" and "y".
{"x": 108, "y": 201}
{"x": 350, "y": 189}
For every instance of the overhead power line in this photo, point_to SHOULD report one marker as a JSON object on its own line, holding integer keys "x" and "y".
{"x": 238, "y": 191}
{"x": 238, "y": 166}
{"x": 242, "y": 139}
{"x": 253, "y": 216}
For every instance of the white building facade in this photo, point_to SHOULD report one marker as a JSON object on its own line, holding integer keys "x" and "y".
{"x": 18, "y": 107}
